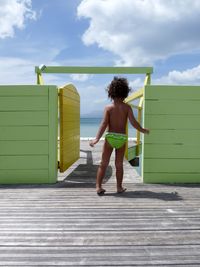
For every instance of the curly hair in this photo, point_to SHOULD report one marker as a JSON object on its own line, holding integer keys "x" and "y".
{"x": 118, "y": 88}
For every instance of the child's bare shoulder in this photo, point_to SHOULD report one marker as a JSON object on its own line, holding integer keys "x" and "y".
{"x": 109, "y": 107}
{"x": 126, "y": 106}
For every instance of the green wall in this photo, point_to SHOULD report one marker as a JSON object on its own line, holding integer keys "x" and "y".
{"x": 171, "y": 152}
{"x": 28, "y": 134}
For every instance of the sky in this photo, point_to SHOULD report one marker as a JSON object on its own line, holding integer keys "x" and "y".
{"x": 164, "y": 34}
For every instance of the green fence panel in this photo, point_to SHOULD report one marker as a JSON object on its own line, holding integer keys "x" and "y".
{"x": 28, "y": 134}
{"x": 171, "y": 152}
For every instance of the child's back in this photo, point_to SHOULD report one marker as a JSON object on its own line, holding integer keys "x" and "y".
{"x": 117, "y": 116}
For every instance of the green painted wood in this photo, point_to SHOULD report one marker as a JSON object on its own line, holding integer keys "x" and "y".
{"x": 189, "y": 137}
{"x": 132, "y": 151}
{"x": 172, "y": 178}
{"x": 172, "y": 92}
{"x": 24, "y": 118}
{"x": 24, "y": 132}
{"x": 171, "y": 151}
{"x": 28, "y": 134}
{"x": 95, "y": 70}
{"x": 172, "y": 148}
{"x": 53, "y": 133}
{"x": 26, "y": 162}
{"x": 24, "y": 176}
{"x": 174, "y": 106}
{"x": 172, "y": 121}
{"x": 23, "y": 90}
{"x": 23, "y": 147}
{"x": 172, "y": 165}
{"x": 23, "y": 103}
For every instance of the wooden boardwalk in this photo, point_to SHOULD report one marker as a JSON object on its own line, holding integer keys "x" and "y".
{"x": 67, "y": 224}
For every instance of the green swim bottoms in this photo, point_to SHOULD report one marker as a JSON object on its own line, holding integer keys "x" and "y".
{"x": 116, "y": 140}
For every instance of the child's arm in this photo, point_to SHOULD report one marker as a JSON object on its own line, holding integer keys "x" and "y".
{"x": 135, "y": 123}
{"x": 102, "y": 128}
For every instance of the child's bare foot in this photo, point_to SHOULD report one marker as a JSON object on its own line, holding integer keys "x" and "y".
{"x": 100, "y": 191}
{"x": 121, "y": 190}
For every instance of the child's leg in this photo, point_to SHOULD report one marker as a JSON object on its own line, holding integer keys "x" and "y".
{"x": 107, "y": 151}
{"x": 119, "y": 157}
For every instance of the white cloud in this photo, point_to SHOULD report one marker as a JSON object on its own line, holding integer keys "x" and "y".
{"x": 101, "y": 101}
{"x": 80, "y": 77}
{"x": 15, "y": 70}
{"x": 93, "y": 98}
{"x": 142, "y": 31}
{"x": 136, "y": 84}
{"x": 189, "y": 76}
{"x": 13, "y": 14}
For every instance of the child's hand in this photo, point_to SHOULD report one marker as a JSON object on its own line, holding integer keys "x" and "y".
{"x": 146, "y": 131}
{"x": 93, "y": 142}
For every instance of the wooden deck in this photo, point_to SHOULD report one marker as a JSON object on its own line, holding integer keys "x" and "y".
{"x": 67, "y": 224}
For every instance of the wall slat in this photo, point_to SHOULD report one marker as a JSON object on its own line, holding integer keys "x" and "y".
{"x": 24, "y": 132}
{"x": 23, "y": 103}
{"x": 24, "y": 162}
{"x": 23, "y": 147}
{"x": 175, "y": 136}
{"x": 172, "y": 92}
{"x": 23, "y": 90}
{"x": 23, "y": 118}
{"x": 175, "y": 107}
{"x": 172, "y": 121}
{"x": 171, "y": 151}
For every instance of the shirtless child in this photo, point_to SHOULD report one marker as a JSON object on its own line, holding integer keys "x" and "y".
{"x": 115, "y": 119}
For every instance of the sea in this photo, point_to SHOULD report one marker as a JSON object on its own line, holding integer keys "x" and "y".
{"x": 90, "y": 126}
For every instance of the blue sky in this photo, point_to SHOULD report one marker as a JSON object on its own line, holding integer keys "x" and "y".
{"x": 159, "y": 33}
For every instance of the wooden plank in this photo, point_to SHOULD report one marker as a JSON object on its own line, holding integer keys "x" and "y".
{"x": 178, "y": 178}
{"x": 132, "y": 239}
{"x": 172, "y": 165}
{"x": 24, "y": 176}
{"x": 69, "y": 127}
{"x": 172, "y": 121}
{"x": 172, "y": 92}
{"x": 85, "y": 225}
{"x": 24, "y": 162}
{"x": 23, "y": 147}
{"x": 95, "y": 251}
{"x": 23, "y": 103}
{"x": 23, "y": 118}
{"x": 23, "y": 133}
{"x": 174, "y": 106}
{"x": 53, "y": 133}
{"x": 95, "y": 70}
{"x": 171, "y": 151}
{"x": 23, "y": 90}
{"x": 181, "y": 137}
{"x": 84, "y": 260}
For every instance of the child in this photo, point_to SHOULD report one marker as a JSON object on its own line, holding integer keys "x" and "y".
{"x": 115, "y": 119}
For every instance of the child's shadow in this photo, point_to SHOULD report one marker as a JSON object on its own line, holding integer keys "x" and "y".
{"x": 85, "y": 174}
{"x": 173, "y": 196}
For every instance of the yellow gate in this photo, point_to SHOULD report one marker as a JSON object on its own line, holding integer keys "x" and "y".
{"x": 69, "y": 105}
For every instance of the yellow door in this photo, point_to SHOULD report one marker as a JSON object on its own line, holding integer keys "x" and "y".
{"x": 69, "y": 126}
